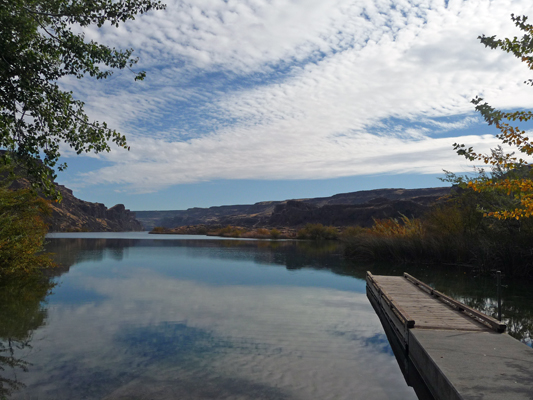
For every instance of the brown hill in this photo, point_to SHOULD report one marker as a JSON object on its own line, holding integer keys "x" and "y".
{"x": 355, "y": 208}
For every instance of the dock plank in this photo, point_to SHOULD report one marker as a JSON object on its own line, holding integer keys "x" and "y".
{"x": 457, "y": 356}
{"x": 480, "y": 365}
{"x": 427, "y": 311}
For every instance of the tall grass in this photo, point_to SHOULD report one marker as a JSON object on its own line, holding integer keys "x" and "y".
{"x": 448, "y": 234}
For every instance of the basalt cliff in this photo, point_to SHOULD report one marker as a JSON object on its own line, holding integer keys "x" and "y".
{"x": 345, "y": 209}
{"x": 75, "y": 215}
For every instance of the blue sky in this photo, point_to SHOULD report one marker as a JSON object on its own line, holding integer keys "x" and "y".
{"x": 257, "y": 100}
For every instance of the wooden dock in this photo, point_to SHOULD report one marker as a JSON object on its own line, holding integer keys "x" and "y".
{"x": 446, "y": 349}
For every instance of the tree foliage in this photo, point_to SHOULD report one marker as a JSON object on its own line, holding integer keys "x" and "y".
{"x": 22, "y": 232}
{"x": 514, "y": 178}
{"x": 39, "y": 45}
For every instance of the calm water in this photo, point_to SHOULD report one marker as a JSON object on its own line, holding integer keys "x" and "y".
{"x": 142, "y": 317}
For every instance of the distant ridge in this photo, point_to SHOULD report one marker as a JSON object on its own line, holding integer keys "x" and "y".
{"x": 353, "y": 208}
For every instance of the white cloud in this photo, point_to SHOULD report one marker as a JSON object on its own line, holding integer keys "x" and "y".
{"x": 213, "y": 158}
{"x": 448, "y": 126}
{"x": 293, "y": 89}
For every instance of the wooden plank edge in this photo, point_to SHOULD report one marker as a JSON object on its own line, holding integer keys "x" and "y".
{"x": 401, "y": 314}
{"x": 388, "y": 314}
{"x": 493, "y": 323}
{"x": 424, "y": 286}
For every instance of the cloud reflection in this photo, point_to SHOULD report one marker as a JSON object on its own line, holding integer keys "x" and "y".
{"x": 276, "y": 339}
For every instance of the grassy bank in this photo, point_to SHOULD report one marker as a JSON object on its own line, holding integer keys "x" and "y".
{"x": 308, "y": 232}
{"x": 452, "y": 232}
{"x": 228, "y": 231}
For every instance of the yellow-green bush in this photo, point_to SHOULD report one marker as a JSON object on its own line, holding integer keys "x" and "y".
{"x": 352, "y": 231}
{"x": 318, "y": 232}
{"x": 394, "y": 227}
{"x": 453, "y": 232}
{"x": 230, "y": 231}
{"x": 262, "y": 233}
{"x": 159, "y": 229}
{"x": 275, "y": 233}
{"x": 22, "y": 231}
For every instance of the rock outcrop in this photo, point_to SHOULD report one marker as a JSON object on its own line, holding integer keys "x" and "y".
{"x": 73, "y": 214}
{"x": 292, "y": 214}
{"x": 345, "y": 209}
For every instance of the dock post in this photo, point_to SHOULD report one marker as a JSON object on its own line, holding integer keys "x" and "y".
{"x": 499, "y": 284}
{"x": 459, "y": 352}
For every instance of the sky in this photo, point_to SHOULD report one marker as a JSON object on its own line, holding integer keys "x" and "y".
{"x": 256, "y": 100}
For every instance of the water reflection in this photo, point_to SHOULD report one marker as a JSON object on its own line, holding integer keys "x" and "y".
{"x": 516, "y": 313}
{"x": 465, "y": 285}
{"x": 174, "y": 344}
{"x": 293, "y": 255}
{"x": 210, "y": 319}
{"x": 68, "y": 252}
{"x": 21, "y": 313}
{"x": 207, "y": 320}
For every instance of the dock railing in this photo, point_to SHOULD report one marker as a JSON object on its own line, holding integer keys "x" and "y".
{"x": 487, "y": 320}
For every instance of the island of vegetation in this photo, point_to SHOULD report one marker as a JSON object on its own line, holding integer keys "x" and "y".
{"x": 309, "y": 232}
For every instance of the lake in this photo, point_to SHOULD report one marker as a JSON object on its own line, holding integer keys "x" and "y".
{"x": 138, "y": 316}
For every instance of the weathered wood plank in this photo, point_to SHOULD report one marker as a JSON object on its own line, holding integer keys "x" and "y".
{"x": 456, "y": 350}
{"x": 420, "y": 306}
{"x": 477, "y": 315}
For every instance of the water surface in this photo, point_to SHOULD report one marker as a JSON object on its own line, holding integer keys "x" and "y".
{"x": 138, "y": 316}
{"x": 174, "y": 317}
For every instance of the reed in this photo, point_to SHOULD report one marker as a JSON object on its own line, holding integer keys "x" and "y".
{"x": 447, "y": 235}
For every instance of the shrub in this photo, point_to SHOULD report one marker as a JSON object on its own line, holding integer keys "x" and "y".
{"x": 230, "y": 231}
{"x": 202, "y": 230}
{"x": 22, "y": 231}
{"x": 318, "y": 232}
{"x": 395, "y": 227}
{"x": 352, "y": 231}
{"x": 159, "y": 229}
{"x": 275, "y": 233}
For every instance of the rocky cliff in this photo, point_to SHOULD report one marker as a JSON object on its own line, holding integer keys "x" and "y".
{"x": 298, "y": 213}
{"x": 355, "y": 208}
{"x": 73, "y": 214}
